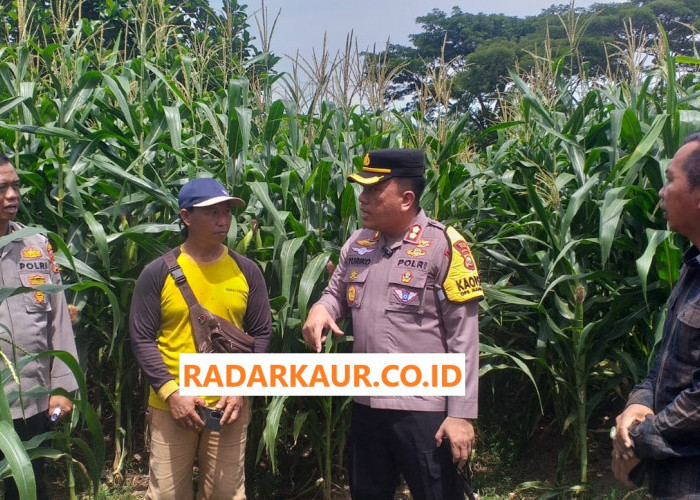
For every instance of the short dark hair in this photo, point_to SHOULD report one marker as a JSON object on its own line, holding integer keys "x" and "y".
{"x": 184, "y": 230}
{"x": 415, "y": 184}
{"x": 4, "y": 160}
{"x": 692, "y": 164}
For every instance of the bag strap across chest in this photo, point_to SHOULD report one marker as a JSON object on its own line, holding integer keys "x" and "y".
{"x": 212, "y": 333}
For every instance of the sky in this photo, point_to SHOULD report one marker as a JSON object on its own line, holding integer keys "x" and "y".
{"x": 302, "y": 23}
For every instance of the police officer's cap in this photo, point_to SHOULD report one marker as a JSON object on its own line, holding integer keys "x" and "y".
{"x": 384, "y": 164}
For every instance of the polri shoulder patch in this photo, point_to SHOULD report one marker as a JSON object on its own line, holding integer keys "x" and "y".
{"x": 462, "y": 282}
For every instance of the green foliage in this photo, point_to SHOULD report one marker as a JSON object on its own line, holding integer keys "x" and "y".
{"x": 16, "y": 458}
{"x": 64, "y": 442}
{"x": 481, "y": 49}
{"x": 560, "y": 207}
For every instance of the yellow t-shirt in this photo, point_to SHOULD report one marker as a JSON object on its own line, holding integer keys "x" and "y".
{"x": 220, "y": 287}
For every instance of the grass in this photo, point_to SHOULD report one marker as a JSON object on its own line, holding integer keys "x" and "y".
{"x": 505, "y": 466}
{"x": 502, "y": 471}
{"x": 515, "y": 458}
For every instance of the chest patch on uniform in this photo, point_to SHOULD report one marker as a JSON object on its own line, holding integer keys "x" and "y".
{"x": 352, "y": 293}
{"x": 356, "y": 261}
{"x": 37, "y": 279}
{"x": 369, "y": 242}
{"x": 424, "y": 243}
{"x": 39, "y": 296}
{"x": 405, "y": 296}
{"x": 353, "y": 274}
{"x": 406, "y": 277}
{"x": 418, "y": 264}
{"x": 416, "y": 252}
{"x": 462, "y": 282}
{"x": 31, "y": 253}
{"x": 362, "y": 250}
{"x": 33, "y": 266}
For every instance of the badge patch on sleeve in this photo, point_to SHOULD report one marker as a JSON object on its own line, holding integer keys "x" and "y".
{"x": 462, "y": 282}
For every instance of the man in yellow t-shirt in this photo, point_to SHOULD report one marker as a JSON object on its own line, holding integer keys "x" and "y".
{"x": 228, "y": 285}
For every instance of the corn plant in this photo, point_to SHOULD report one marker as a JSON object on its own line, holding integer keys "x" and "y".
{"x": 106, "y": 119}
{"x": 576, "y": 183}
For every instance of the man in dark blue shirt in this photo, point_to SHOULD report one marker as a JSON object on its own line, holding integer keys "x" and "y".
{"x": 659, "y": 430}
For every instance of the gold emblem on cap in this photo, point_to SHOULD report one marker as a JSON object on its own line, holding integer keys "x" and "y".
{"x": 365, "y": 162}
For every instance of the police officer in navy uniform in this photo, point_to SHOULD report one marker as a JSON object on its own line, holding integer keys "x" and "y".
{"x": 410, "y": 285}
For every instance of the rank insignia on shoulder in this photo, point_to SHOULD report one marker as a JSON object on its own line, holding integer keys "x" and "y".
{"x": 362, "y": 250}
{"x": 416, "y": 252}
{"x": 462, "y": 282}
{"x": 414, "y": 233}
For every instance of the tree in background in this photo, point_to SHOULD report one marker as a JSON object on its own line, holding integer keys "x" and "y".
{"x": 480, "y": 49}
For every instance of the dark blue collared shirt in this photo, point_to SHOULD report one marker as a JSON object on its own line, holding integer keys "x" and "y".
{"x": 669, "y": 441}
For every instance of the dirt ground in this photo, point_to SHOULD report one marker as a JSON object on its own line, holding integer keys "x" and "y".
{"x": 502, "y": 470}
{"x": 516, "y": 457}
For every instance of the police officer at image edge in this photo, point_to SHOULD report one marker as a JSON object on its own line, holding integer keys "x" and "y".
{"x": 35, "y": 322}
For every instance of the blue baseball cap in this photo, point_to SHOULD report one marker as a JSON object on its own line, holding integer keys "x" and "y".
{"x": 205, "y": 192}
